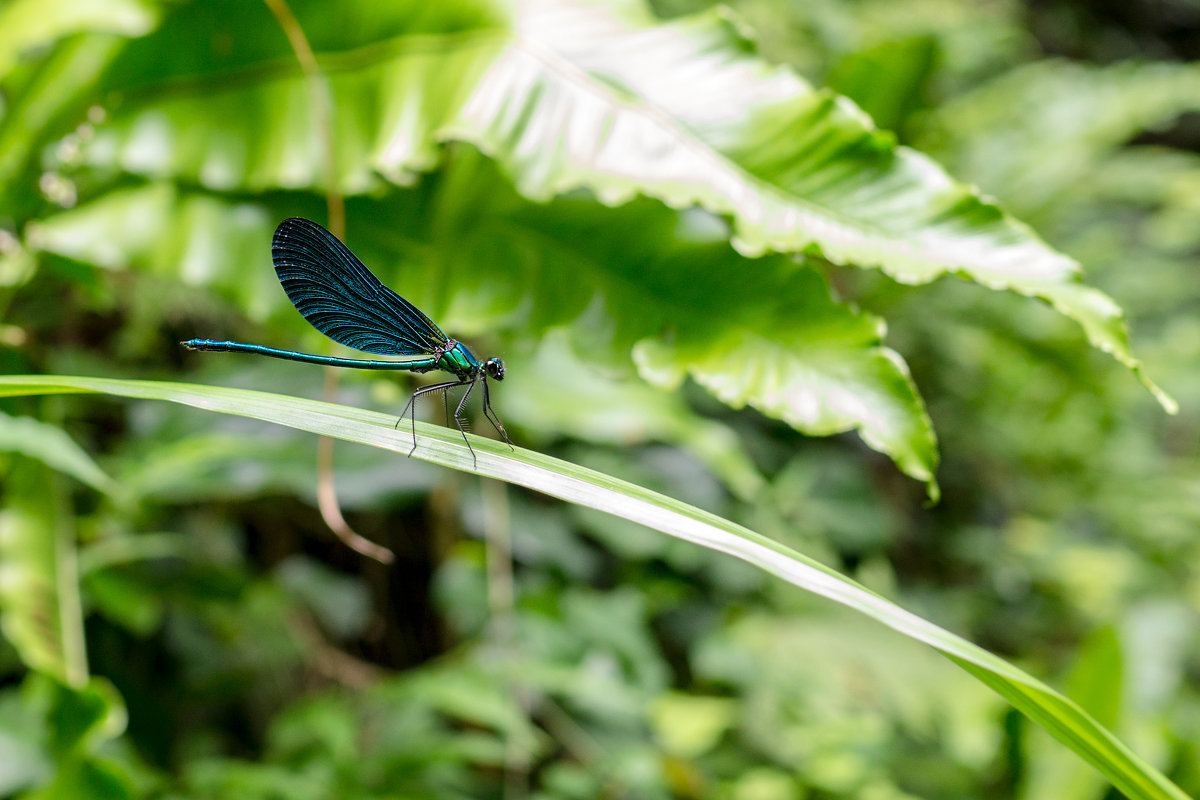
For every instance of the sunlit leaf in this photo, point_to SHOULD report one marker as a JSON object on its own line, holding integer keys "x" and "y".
{"x": 764, "y": 333}
{"x": 575, "y": 94}
{"x": 677, "y": 300}
{"x": 196, "y": 238}
{"x": 807, "y": 361}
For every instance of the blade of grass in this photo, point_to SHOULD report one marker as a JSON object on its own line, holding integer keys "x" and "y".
{"x": 1064, "y": 719}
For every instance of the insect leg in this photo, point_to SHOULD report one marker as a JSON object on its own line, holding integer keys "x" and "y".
{"x": 412, "y": 404}
{"x": 490, "y": 414}
{"x": 458, "y": 420}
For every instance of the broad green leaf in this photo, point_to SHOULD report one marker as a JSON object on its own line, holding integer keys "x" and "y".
{"x": 55, "y": 448}
{"x": 200, "y": 239}
{"x": 764, "y": 333}
{"x": 1059, "y": 715}
{"x": 39, "y": 591}
{"x": 676, "y": 303}
{"x": 573, "y": 94}
{"x": 393, "y": 82}
{"x": 809, "y": 362}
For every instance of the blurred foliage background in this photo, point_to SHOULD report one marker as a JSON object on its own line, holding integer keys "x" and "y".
{"x": 517, "y": 647}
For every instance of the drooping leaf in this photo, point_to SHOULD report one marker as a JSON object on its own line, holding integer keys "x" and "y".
{"x": 1065, "y": 720}
{"x": 55, "y": 448}
{"x": 761, "y": 332}
{"x": 809, "y": 362}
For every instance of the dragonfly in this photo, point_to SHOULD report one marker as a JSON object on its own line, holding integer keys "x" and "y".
{"x": 344, "y": 300}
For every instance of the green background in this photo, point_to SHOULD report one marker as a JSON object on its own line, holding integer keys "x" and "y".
{"x": 179, "y": 622}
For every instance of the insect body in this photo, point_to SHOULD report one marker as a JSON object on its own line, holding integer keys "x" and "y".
{"x": 344, "y": 300}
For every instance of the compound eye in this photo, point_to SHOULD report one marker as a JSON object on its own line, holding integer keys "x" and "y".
{"x": 494, "y": 368}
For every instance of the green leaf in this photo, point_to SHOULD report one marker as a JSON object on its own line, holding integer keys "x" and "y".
{"x": 689, "y": 726}
{"x": 80, "y": 719}
{"x": 52, "y": 100}
{"x": 39, "y": 590}
{"x": 1073, "y": 114}
{"x": 1096, "y": 679}
{"x": 394, "y": 85}
{"x": 27, "y": 24}
{"x": 199, "y": 239}
{"x": 806, "y": 360}
{"x": 123, "y": 601}
{"x": 54, "y": 730}
{"x": 595, "y": 407}
{"x": 795, "y": 169}
{"x": 55, "y": 448}
{"x": 887, "y": 80}
{"x": 1060, "y": 716}
{"x": 575, "y": 94}
{"x": 765, "y": 332}
{"x": 90, "y": 778}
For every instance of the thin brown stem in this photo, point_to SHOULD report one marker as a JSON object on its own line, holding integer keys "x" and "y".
{"x": 322, "y": 104}
{"x": 322, "y": 111}
{"x": 327, "y": 500}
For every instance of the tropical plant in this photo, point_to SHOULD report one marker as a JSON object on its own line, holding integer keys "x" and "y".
{"x": 658, "y": 227}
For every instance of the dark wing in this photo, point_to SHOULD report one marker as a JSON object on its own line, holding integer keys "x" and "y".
{"x": 342, "y": 299}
